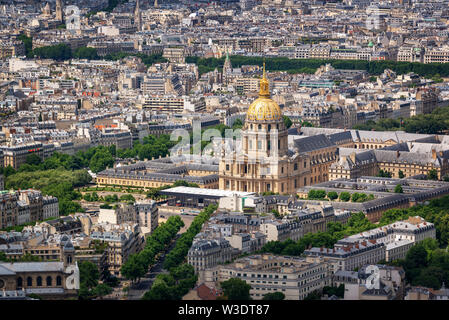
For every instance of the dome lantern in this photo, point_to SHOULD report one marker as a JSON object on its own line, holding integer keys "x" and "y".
{"x": 264, "y": 108}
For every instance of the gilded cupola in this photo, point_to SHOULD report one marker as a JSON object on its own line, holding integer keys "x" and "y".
{"x": 264, "y": 108}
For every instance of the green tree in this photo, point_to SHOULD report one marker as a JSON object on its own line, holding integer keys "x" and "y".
{"x": 28, "y": 42}
{"x": 384, "y": 174}
{"x": 401, "y": 174}
{"x": 89, "y": 274}
{"x": 431, "y": 277}
{"x": 85, "y": 53}
{"x": 287, "y": 121}
{"x": 332, "y": 195}
{"x": 33, "y": 159}
{"x": 398, "y": 189}
{"x": 89, "y": 277}
{"x": 159, "y": 291}
{"x": 236, "y": 289}
{"x": 274, "y": 296}
{"x": 345, "y": 196}
{"x": 315, "y": 295}
{"x": 432, "y": 174}
{"x": 238, "y": 124}
{"x": 3, "y": 256}
{"x": 102, "y": 290}
{"x": 133, "y": 269}
{"x": 60, "y": 51}
{"x": 316, "y": 194}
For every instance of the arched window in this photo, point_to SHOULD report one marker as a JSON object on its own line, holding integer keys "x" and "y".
{"x": 49, "y": 281}
{"x": 19, "y": 283}
{"x": 259, "y": 127}
{"x": 69, "y": 259}
{"x": 29, "y": 282}
{"x": 269, "y": 127}
{"x": 58, "y": 281}
{"x": 39, "y": 281}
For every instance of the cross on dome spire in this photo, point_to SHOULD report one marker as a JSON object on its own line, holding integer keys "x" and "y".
{"x": 264, "y": 84}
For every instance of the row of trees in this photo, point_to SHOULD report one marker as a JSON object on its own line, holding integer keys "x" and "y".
{"x": 436, "y": 122}
{"x": 343, "y": 196}
{"x": 148, "y": 60}
{"x": 28, "y": 257}
{"x": 434, "y": 212}
{"x": 174, "y": 285}
{"x": 151, "y": 146}
{"x": 335, "y": 231}
{"x": 137, "y": 264}
{"x": 93, "y": 197}
{"x": 426, "y": 265}
{"x": 59, "y": 183}
{"x": 179, "y": 252}
{"x": 90, "y": 287}
{"x": 63, "y": 51}
{"x": 100, "y": 157}
{"x": 310, "y": 65}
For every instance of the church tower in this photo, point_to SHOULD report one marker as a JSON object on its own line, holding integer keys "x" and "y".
{"x": 67, "y": 252}
{"x": 59, "y": 11}
{"x": 155, "y": 4}
{"x": 227, "y": 69}
{"x": 263, "y": 162}
{"x": 138, "y": 16}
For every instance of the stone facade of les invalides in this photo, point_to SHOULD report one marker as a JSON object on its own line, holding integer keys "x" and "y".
{"x": 264, "y": 161}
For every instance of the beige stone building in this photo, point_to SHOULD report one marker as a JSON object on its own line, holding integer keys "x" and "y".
{"x": 294, "y": 277}
{"x": 264, "y": 163}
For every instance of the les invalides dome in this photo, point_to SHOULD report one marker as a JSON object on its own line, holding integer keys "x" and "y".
{"x": 264, "y": 108}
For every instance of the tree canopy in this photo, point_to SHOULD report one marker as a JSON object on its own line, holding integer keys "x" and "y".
{"x": 236, "y": 289}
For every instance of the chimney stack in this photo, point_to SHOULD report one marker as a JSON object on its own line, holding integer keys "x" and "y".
{"x": 434, "y": 154}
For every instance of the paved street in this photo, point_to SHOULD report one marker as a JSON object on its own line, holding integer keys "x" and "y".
{"x": 137, "y": 290}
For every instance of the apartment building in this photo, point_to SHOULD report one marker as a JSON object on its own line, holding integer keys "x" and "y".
{"x": 118, "y": 138}
{"x": 34, "y": 200}
{"x": 399, "y": 237}
{"x": 147, "y": 216}
{"x": 11, "y": 48}
{"x": 391, "y": 283}
{"x": 436, "y": 55}
{"x": 174, "y": 104}
{"x": 281, "y": 230}
{"x": 9, "y": 209}
{"x": 174, "y": 55}
{"x": 123, "y": 240}
{"x": 205, "y": 254}
{"x": 15, "y": 156}
{"x": 294, "y": 277}
{"x": 410, "y": 54}
{"x": 348, "y": 255}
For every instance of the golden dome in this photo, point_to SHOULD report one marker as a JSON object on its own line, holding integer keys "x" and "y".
{"x": 264, "y": 108}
